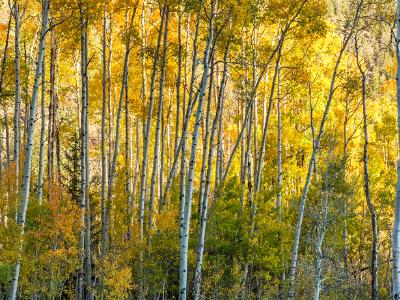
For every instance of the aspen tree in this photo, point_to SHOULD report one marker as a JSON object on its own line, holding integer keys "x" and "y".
{"x": 143, "y": 182}
{"x": 371, "y": 207}
{"x": 207, "y": 183}
{"x": 103, "y": 135}
{"x": 2, "y": 72}
{"x": 396, "y": 224}
{"x": 26, "y": 175}
{"x": 321, "y": 225}
{"x": 42, "y": 130}
{"x": 17, "y": 107}
{"x": 111, "y": 175}
{"x": 184, "y": 242}
{"x": 158, "y": 127}
{"x": 295, "y": 250}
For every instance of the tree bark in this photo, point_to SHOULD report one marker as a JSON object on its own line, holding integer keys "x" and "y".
{"x": 371, "y": 207}
{"x": 17, "y": 107}
{"x": 3, "y": 68}
{"x": 293, "y": 266}
{"x": 24, "y": 195}
{"x": 396, "y": 223}
{"x": 158, "y": 128}
{"x": 205, "y": 194}
{"x": 183, "y": 139}
{"x": 42, "y": 131}
{"x": 103, "y": 139}
{"x": 111, "y": 175}
{"x": 184, "y": 243}
{"x": 321, "y": 225}
{"x": 146, "y": 143}
{"x": 85, "y": 275}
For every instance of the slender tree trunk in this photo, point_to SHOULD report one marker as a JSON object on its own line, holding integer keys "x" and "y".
{"x": 17, "y": 107}
{"x": 205, "y": 195}
{"x": 52, "y": 110}
{"x": 371, "y": 207}
{"x": 109, "y": 98}
{"x": 184, "y": 243}
{"x": 265, "y": 126}
{"x": 128, "y": 159}
{"x": 3, "y": 68}
{"x": 8, "y": 152}
{"x": 206, "y": 129}
{"x": 103, "y": 139}
{"x": 86, "y": 264}
{"x": 111, "y": 175}
{"x": 321, "y": 231}
{"x": 143, "y": 63}
{"x": 396, "y": 223}
{"x": 146, "y": 144}
{"x": 147, "y": 129}
{"x": 178, "y": 83}
{"x": 42, "y": 131}
{"x": 4, "y": 60}
{"x": 158, "y": 128}
{"x": 280, "y": 180}
{"x": 345, "y": 251}
{"x": 190, "y": 106}
{"x": 295, "y": 251}
{"x": 24, "y": 195}
{"x": 251, "y": 98}
{"x": 219, "y": 167}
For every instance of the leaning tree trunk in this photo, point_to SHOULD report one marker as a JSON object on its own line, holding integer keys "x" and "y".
{"x": 24, "y": 195}
{"x": 3, "y": 68}
{"x": 295, "y": 251}
{"x": 4, "y": 60}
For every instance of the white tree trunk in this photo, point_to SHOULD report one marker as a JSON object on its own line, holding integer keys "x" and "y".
{"x": 111, "y": 175}
{"x": 158, "y": 128}
{"x": 295, "y": 251}
{"x": 321, "y": 225}
{"x": 184, "y": 243}
{"x": 147, "y": 130}
{"x": 103, "y": 134}
{"x": 25, "y": 184}
{"x": 207, "y": 183}
{"x": 146, "y": 144}
{"x": 17, "y": 106}
{"x": 42, "y": 132}
{"x": 396, "y": 224}
{"x": 190, "y": 106}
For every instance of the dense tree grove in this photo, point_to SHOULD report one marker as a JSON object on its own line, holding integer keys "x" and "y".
{"x": 199, "y": 149}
